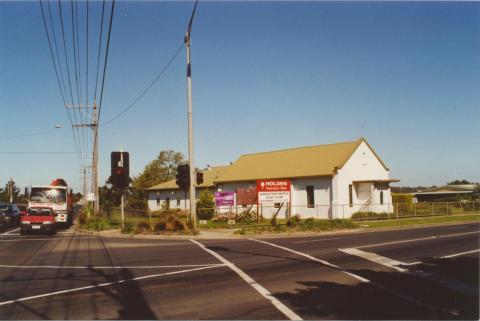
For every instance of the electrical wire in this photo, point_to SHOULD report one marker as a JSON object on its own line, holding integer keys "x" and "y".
{"x": 99, "y": 50}
{"x": 145, "y": 91}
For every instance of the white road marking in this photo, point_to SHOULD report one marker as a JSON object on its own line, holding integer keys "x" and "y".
{"x": 358, "y": 277}
{"x": 260, "y": 289}
{"x": 11, "y": 231}
{"x": 104, "y": 267}
{"x": 458, "y": 254}
{"x": 104, "y": 284}
{"x": 374, "y": 257}
{"x": 318, "y": 240}
{"x": 415, "y": 240}
{"x": 394, "y": 264}
{"x": 46, "y": 239}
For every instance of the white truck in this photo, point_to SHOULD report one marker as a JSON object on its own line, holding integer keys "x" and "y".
{"x": 56, "y": 196}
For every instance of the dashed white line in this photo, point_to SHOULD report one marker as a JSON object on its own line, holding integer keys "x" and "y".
{"x": 260, "y": 289}
{"x": 459, "y": 254}
{"x": 317, "y": 240}
{"x": 104, "y": 284}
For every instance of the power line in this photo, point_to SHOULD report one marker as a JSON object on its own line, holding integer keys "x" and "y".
{"x": 65, "y": 48}
{"x": 99, "y": 49}
{"x": 144, "y": 92}
{"x": 74, "y": 57}
{"x": 51, "y": 51}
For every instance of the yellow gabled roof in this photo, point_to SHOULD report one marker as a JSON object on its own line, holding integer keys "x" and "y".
{"x": 209, "y": 175}
{"x": 319, "y": 160}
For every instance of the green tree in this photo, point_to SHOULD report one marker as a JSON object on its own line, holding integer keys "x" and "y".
{"x": 459, "y": 182}
{"x": 161, "y": 169}
{"x": 4, "y": 192}
{"x": 205, "y": 205}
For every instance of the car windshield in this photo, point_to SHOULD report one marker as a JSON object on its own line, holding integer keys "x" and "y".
{"x": 39, "y": 212}
{"x": 48, "y": 195}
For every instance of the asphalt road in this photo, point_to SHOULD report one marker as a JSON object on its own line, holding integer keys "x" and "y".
{"x": 422, "y": 273}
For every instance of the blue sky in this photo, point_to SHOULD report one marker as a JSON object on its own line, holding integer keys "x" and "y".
{"x": 266, "y": 76}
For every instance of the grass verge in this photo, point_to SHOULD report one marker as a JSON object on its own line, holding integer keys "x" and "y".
{"x": 420, "y": 221}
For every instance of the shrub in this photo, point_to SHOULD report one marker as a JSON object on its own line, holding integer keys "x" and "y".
{"x": 369, "y": 215}
{"x": 222, "y": 217}
{"x": 127, "y": 227}
{"x": 160, "y": 226}
{"x": 294, "y": 221}
{"x": 143, "y": 227}
{"x": 205, "y": 205}
{"x": 247, "y": 217}
{"x": 171, "y": 224}
{"x": 403, "y": 203}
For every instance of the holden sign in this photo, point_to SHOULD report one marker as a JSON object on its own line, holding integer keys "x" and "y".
{"x": 273, "y": 191}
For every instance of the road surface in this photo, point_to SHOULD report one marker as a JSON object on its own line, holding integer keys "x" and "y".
{"x": 421, "y": 273}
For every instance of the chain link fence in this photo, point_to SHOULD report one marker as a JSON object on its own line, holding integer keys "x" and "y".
{"x": 253, "y": 214}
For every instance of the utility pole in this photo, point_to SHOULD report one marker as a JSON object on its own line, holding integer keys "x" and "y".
{"x": 10, "y": 189}
{"x": 193, "y": 213}
{"x": 94, "y": 126}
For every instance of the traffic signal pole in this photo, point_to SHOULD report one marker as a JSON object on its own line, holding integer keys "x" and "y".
{"x": 193, "y": 212}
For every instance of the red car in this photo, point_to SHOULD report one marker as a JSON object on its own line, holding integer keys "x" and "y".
{"x": 38, "y": 219}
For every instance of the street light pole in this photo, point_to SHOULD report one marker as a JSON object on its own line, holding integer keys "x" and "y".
{"x": 193, "y": 212}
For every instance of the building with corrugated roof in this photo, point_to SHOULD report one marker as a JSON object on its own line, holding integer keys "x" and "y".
{"x": 326, "y": 181}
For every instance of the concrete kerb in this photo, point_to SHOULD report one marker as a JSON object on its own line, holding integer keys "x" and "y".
{"x": 229, "y": 233}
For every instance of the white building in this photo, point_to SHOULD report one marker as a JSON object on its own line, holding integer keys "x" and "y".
{"x": 327, "y": 181}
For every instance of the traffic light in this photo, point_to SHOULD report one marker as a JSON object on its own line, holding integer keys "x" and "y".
{"x": 199, "y": 178}
{"x": 120, "y": 174}
{"x": 183, "y": 176}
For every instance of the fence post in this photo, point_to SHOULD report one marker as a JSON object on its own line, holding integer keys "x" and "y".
{"x": 397, "y": 210}
{"x": 447, "y": 207}
{"x": 473, "y": 206}
{"x": 433, "y": 209}
{"x": 415, "y": 209}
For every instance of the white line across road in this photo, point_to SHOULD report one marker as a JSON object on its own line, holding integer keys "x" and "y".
{"x": 356, "y": 276}
{"x": 260, "y": 289}
{"x": 46, "y": 239}
{"x": 11, "y": 231}
{"x": 458, "y": 254}
{"x": 317, "y": 240}
{"x": 86, "y": 267}
{"x": 415, "y": 240}
{"x": 374, "y": 257}
{"x": 104, "y": 284}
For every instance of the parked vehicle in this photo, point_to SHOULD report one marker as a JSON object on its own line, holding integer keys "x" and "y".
{"x": 2, "y": 219}
{"x": 39, "y": 219}
{"x": 12, "y": 214}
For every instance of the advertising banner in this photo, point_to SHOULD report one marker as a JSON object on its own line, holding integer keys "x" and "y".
{"x": 224, "y": 198}
{"x": 246, "y": 196}
{"x": 273, "y": 191}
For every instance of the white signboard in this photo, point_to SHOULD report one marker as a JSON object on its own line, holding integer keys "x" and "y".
{"x": 91, "y": 197}
{"x": 274, "y": 197}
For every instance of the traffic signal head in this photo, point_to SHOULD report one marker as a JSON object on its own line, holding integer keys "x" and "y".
{"x": 199, "y": 178}
{"x": 120, "y": 173}
{"x": 183, "y": 176}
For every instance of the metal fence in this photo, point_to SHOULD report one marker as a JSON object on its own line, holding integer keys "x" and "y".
{"x": 250, "y": 214}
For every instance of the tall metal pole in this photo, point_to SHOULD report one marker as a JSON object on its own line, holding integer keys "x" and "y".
{"x": 96, "y": 208}
{"x": 84, "y": 186}
{"x": 193, "y": 212}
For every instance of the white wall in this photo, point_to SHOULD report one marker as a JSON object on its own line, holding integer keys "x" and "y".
{"x": 362, "y": 165}
{"x": 157, "y": 198}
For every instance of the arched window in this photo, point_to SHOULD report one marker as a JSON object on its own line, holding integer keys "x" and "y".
{"x": 381, "y": 197}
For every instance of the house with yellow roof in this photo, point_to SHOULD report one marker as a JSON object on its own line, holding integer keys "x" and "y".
{"x": 326, "y": 181}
